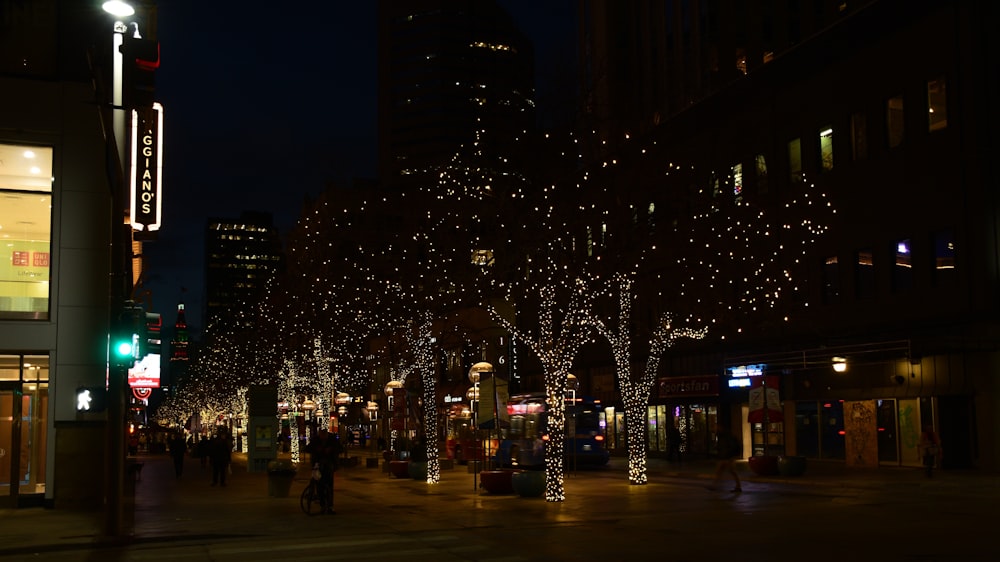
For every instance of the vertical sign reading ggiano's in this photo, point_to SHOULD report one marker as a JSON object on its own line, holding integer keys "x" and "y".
{"x": 145, "y": 183}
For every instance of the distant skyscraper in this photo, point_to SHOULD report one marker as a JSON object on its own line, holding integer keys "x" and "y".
{"x": 447, "y": 70}
{"x": 240, "y": 256}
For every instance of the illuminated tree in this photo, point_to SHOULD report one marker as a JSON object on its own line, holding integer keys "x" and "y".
{"x": 636, "y": 387}
{"x": 556, "y": 344}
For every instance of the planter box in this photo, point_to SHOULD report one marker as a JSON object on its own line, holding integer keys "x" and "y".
{"x": 417, "y": 470}
{"x": 764, "y": 465}
{"x": 497, "y": 481}
{"x": 791, "y": 465}
{"x": 399, "y": 469}
{"x": 279, "y": 483}
{"x": 529, "y": 483}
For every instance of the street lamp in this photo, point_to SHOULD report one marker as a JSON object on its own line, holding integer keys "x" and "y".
{"x": 572, "y": 385}
{"x": 115, "y": 455}
{"x": 390, "y": 390}
{"x": 308, "y": 406}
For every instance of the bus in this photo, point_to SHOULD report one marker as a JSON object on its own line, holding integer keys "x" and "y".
{"x": 522, "y": 445}
{"x": 462, "y": 442}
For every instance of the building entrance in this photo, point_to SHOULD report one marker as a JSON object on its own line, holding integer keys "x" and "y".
{"x": 23, "y": 427}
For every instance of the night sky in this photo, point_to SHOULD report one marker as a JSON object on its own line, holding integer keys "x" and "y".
{"x": 264, "y": 107}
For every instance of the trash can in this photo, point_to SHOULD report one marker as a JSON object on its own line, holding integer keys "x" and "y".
{"x": 280, "y": 474}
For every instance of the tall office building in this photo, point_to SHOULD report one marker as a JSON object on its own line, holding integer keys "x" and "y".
{"x": 643, "y": 62}
{"x": 241, "y": 254}
{"x": 448, "y": 69}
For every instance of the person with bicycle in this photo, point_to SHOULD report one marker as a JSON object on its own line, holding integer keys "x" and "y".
{"x": 324, "y": 450}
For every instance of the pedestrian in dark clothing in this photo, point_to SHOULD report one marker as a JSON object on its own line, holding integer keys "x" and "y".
{"x": 201, "y": 450}
{"x": 177, "y": 447}
{"x": 324, "y": 450}
{"x": 729, "y": 449}
{"x": 673, "y": 444}
{"x": 930, "y": 449}
{"x": 220, "y": 452}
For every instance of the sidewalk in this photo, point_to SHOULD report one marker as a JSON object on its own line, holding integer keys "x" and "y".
{"x": 189, "y": 509}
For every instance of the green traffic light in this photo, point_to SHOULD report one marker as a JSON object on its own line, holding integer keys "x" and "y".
{"x": 123, "y": 349}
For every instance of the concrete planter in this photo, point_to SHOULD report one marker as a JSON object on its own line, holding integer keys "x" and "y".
{"x": 497, "y": 481}
{"x": 764, "y": 465}
{"x": 529, "y": 483}
{"x": 399, "y": 469}
{"x": 791, "y": 465}
{"x": 280, "y": 475}
{"x": 417, "y": 470}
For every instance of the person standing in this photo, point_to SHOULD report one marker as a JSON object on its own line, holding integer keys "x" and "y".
{"x": 930, "y": 449}
{"x": 177, "y": 447}
{"x": 729, "y": 449}
{"x": 324, "y": 450}
{"x": 673, "y": 444}
{"x": 220, "y": 454}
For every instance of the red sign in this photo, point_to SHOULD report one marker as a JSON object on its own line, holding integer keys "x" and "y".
{"x": 679, "y": 387}
{"x": 141, "y": 393}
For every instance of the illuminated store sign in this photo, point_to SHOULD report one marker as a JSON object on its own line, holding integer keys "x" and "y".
{"x": 146, "y": 175}
{"x": 740, "y": 375}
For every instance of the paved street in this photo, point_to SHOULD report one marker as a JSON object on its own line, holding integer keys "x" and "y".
{"x": 831, "y": 513}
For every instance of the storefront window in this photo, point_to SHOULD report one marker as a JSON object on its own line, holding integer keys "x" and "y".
{"x": 25, "y": 231}
{"x": 831, "y": 429}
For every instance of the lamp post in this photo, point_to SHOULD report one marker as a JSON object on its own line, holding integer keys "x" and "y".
{"x": 113, "y": 524}
{"x": 372, "y": 408}
{"x": 308, "y": 407}
{"x": 572, "y": 385}
{"x": 390, "y": 389}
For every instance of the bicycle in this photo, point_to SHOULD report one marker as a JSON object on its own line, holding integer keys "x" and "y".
{"x": 316, "y": 495}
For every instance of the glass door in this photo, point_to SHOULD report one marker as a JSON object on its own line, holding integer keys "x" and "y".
{"x": 10, "y": 418}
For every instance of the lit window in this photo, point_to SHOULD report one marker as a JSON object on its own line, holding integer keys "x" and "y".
{"x": 944, "y": 258}
{"x": 795, "y": 160}
{"x": 741, "y": 60}
{"x": 902, "y": 271}
{"x": 937, "y": 107}
{"x": 26, "y": 232}
{"x": 826, "y": 149}
{"x": 737, "y": 171}
{"x": 831, "y": 280}
{"x": 865, "y": 274}
{"x": 761, "y": 174}
{"x": 894, "y": 121}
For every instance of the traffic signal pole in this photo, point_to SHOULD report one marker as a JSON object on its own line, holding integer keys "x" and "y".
{"x": 113, "y": 527}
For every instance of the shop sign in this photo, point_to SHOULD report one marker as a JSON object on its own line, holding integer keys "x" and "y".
{"x": 146, "y": 173}
{"x": 676, "y": 387}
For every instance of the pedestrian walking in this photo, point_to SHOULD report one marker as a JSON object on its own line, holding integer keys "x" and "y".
{"x": 178, "y": 447}
{"x": 729, "y": 450}
{"x": 220, "y": 452}
{"x": 930, "y": 450}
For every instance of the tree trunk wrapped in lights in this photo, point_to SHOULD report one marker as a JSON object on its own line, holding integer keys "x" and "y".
{"x": 636, "y": 390}
{"x": 556, "y": 351}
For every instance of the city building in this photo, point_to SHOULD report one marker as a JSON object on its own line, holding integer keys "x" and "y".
{"x": 241, "y": 254}
{"x": 884, "y": 108}
{"x": 64, "y": 204}
{"x": 448, "y": 70}
{"x": 644, "y": 62}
